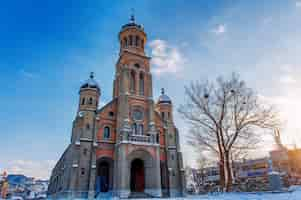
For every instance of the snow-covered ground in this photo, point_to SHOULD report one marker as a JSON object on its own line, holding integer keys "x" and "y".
{"x": 294, "y": 194}
{"x": 247, "y": 196}
{"x": 241, "y": 196}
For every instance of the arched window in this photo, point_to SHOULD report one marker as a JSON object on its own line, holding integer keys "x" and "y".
{"x": 83, "y": 101}
{"x": 125, "y": 42}
{"x": 163, "y": 115}
{"x": 106, "y": 132}
{"x": 133, "y": 82}
{"x": 82, "y": 171}
{"x": 85, "y": 151}
{"x": 134, "y": 128}
{"x": 142, "y": 43}
{"x": 141, "y": 84}
{"x": 137, "y": 41}
{"x": 90, "y": 101}
{"x": 140, "y": 129}
{"x": 131, "y": 40}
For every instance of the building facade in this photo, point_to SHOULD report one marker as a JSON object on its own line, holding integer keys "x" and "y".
{"x": 130, "y": 145}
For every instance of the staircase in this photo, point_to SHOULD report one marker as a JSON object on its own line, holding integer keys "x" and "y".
{"x": 137, "y": 195}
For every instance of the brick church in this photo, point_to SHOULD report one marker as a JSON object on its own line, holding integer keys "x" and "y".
{"x": 130, "y": 146}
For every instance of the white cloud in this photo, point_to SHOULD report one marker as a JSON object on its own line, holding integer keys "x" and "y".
{"x": 287, "y": 79}
{"x": 298, "y": 4}
{"x": 220, "y": 29}
{"x": 289, "y": 108}
{"x": 28, "y": 75}
{"x": 287, "y": 68}
{"x": 166, "y": 58}
{"x": 36, "y": 169}
{"x": 267, "y": 20}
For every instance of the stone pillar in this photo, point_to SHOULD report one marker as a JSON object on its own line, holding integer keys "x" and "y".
{"x": 91, "y": 192}
{"x": 123, "y": 175}
{"x": 92, "y": 178}
{"x": 123, "y": 106}
{"x": 158, "y": 191}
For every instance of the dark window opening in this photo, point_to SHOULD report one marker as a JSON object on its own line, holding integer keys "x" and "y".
{"x": 85, "y": 151}
{"x": 132, "y": 82}
{"x": 141, "y": 84}
{"x": 106, "y": 134}
{"x": 163, "y": 115}
{"x": 88, "y": 126}
{"x": 134, "y": 129}
{"x": 137, "y": 41}
{"x": 90, "y": 101}
{"x": 83, "y": 101}
{"x": 111, "y": 114}
{"x": 125, "y": 42}
{"x": 140, "y": 131}
{"x": 131, "y": 40}
{"x": 82, "y": 171}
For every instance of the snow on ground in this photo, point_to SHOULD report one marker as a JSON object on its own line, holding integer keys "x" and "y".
{"x": 294, "y": 194}
{"x": 243, "y": 196}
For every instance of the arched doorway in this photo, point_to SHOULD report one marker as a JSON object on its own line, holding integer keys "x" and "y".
{"x": 137, "y": 176}
{"x": 103, "y": 177}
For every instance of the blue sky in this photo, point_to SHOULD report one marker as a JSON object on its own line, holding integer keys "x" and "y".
{"x": 49, "y": 47}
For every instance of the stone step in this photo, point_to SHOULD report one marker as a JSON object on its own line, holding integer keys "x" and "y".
{"x": 139, "y": 195}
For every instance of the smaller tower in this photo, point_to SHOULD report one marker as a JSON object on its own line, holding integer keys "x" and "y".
{"x": 164, "y": 106}
{"x": 172, "y": 146}
{"x": 83, "y": 138}
{"x": 89, "y": 95}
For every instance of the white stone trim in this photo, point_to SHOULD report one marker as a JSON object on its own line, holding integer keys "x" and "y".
{"x": 74, "y": 165}
{"x": 138, "y": 143}
{"x": 86, "y": 139}
{"x": 173, "y": 147}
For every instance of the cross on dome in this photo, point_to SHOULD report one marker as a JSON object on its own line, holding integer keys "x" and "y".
{"x": 91, "y": 75}
{"x": 132, "y": 18}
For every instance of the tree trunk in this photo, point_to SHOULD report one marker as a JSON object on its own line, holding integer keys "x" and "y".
{"x": 222, "y": 171}
{"x": 228, "y": 172}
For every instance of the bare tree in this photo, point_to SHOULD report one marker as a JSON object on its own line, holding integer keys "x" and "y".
{"x": 225, "y": 117}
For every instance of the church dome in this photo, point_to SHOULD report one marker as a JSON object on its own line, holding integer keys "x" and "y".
{"x": 90, "y": 83}
{"x": 132, "y": 24}
{"x": 163, "y": 98}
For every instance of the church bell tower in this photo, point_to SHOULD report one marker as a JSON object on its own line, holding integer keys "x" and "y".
{"x": 137, "y": 136}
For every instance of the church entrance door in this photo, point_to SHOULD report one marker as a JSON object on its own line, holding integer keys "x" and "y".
{"x": 137, "y": 176}
{"x": 103, "y": 177}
